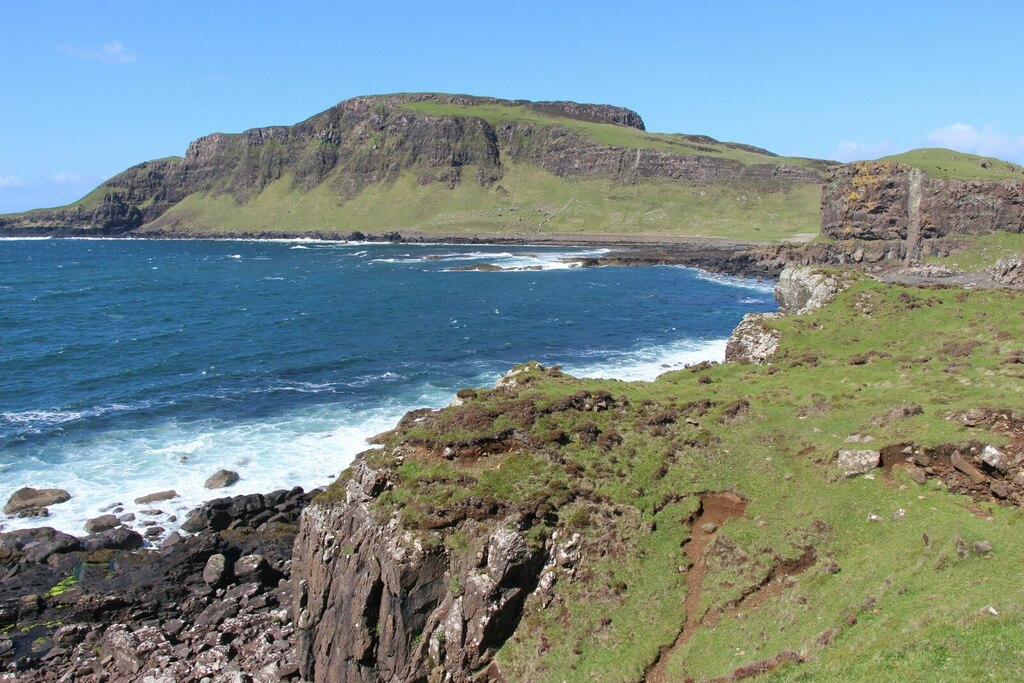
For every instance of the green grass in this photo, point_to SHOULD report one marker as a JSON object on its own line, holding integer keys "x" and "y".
{"x": 897, "y": 606}
{"x": 982, "y": 251}
{"x": 947, "y": 164}
{"x": 608, "y": 133}
{"x": 527, "y": 200}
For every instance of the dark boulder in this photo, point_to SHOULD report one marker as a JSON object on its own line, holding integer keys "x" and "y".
{"x": 27, "y": 499}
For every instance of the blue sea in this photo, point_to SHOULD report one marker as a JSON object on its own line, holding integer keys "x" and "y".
{"x": 133, "y": 366}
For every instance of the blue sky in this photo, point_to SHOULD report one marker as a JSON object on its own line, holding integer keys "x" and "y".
{"x": 90, "y": 88}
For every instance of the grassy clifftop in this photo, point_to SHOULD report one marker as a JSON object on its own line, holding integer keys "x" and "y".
{"x": 717, "y": 532}
{"x": 947, "y": 164}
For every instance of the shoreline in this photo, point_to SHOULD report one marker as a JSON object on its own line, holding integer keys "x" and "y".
{"x": 720, "y": 255}
{"x": 170, "y": 513}
{"x": 173, "y": 514}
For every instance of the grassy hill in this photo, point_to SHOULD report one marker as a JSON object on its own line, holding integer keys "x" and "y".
{"x": 455, "y": 164}
{"x": 528, "y": 200}
{"x": 947, "y": 164}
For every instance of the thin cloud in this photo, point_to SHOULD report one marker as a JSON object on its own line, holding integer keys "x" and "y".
{"x": 61, "y": 178}
{"x": 986, "y": 141}
{"x": 848, "y": 150}
{"x": 11, "y": 181}
{"x": 113, "y": 52}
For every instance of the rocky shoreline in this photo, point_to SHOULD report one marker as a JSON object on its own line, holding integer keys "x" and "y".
{"x": 718, "y": 255}
{"x": 212, "y": 605}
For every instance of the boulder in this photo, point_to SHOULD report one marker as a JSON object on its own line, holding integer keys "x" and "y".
{"x": 853, "y": 462}
{"x": 156, "y": 497}
{"x": 802, "y": 289}
{"x": 994, "y": 458}
{"x": 254, "y": 568}
{"x": 752, "y": 341}
{"x": 221, "y": 479}
{"x": 28, "y": 498}
{"x": 121, "y": 538}
{"x": 39, "y": 543}
{"x": 215, "y": 571}
{"x": 101, "y": 523}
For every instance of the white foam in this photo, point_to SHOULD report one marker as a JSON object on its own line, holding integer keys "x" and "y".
{"x": 509, "y": 262}
{"x": 307, "y": 447}
{"x": 647, "y": 363}
{"x": 733, "y": 281}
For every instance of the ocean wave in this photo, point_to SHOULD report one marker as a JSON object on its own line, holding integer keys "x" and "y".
{"x": 306, "y": 447}
{"x": 47, "y": 417}
{"x": 645, "y": 364}
{"x": 733, "y": 281}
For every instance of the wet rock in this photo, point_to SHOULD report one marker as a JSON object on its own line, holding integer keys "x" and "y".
{"x": 215, "y": 571}
{"x": 221, "y": 479}
{"x": 121, "y": 538}
{"x": 154, "y": 531}
{"x": 27, "y": 499}
{"x": 38, "y": 544}
{"x": 172, "y": 539}
{"x": 156, "y": 497}
{"x": 101, "y": 523}
{"x": 852, "y": 463}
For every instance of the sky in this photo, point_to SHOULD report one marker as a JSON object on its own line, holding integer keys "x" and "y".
{"x": 88, "y": 89}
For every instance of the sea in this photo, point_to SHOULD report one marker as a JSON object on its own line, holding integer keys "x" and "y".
{"x": 133, "y": 366}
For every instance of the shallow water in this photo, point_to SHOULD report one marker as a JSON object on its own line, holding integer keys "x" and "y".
{"x": 131, "y": 366}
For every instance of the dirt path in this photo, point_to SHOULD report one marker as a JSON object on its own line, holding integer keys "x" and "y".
{"x": 715, "y": 509}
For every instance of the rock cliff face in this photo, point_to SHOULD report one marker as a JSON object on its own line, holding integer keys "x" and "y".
{"x": 892, "y": 211}
{"x": 368, "y": 140}
{"x": 375, "y": 602}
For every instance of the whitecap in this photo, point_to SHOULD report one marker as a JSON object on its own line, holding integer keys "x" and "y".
{"x": 765, "y": 286}
{"x": 645, "y": 364}
{"x": 305, "y": 447}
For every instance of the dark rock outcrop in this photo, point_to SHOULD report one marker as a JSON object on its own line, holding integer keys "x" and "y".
{"x": 374, "y": 601}
{"x": 881, "y": 210}
{"x": 212, "y": 606}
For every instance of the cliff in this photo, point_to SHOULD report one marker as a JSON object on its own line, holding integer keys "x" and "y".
{"x": 451, "y": 160}
{"x": 890, "y": 210}
{"x": 711, "y": 525}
